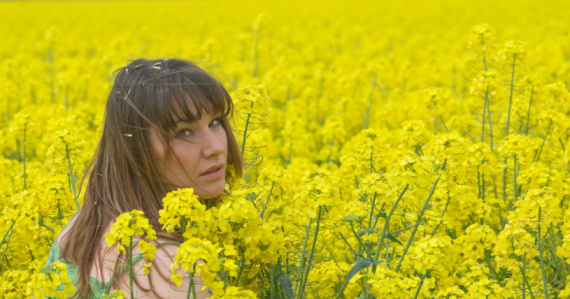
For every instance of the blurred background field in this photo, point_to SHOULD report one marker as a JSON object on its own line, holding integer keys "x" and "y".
{"x": 468, "y": 97}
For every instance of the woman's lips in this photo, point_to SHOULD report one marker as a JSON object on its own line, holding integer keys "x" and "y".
{"x": 216, "y": 173}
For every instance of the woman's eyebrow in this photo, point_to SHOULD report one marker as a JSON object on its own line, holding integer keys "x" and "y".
{"x": 178, "y": 121}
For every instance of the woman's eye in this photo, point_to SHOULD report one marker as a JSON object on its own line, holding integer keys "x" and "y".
{"x": 184, "y": 133}
{"x": 216, "y": 122}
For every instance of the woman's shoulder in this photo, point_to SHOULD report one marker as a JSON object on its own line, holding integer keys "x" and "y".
{"x": 98, "y": 288}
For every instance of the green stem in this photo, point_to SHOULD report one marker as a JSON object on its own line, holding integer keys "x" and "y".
{"x": 24, "y": 153}
{"x": 484, "y": 58}
{"x": 51, "y": 76}
{"x": 241, "y": 267}
{"x": 372, "y": 209}
{"x": 386, "y": 224}
{"x": 435, "y": 227}
{"x": 272, "y": 283}
{"x": 505, "y": 180}
{"x": 511, "y": 94}
{"x": 483, "y": 189}
{"x": 71, "y": 176}
{"x": 528, "y": 111}
{"x": 131, "y": 266}
{"x": 191, "y": 286}
{"x": 302, "y": 262}
{"x": 387, "y": 256}
{"x": 523, "y": 270}
{"x": 544, "y": 276}
{"x": 348, "y": 244}
{"x": 9, "y": 235}
{"x": 443, "y": 123}
{"x": 245, "y": 133}
{"x": 479, "y": 181}
{"x": 420, "y": 286}
{"x": 367, "y": 113}
{"x": 515, "y": 173}
{"x": 267, "y": 200}
{"x": 256, "y": 51}
{"x": 537, "y": 156}
{"x": 490, "y": 123}
{"x": 420, "y": 216}
{"x": 360, "y": 245}
{"x": 371, "y": 159}
{"x": 485, "y": 103}
{"x": 490, "y": 265}
{"x": 306, "y": 275}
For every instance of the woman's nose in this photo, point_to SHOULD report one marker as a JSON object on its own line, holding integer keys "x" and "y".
{"x": 213, "y": 142}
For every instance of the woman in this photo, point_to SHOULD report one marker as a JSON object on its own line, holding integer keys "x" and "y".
{"x": 166, "y": 127}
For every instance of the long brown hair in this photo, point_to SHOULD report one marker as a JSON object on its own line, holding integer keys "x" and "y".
{"x": 122, "y": 175}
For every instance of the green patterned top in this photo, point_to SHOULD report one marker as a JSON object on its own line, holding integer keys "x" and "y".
{"x": 97, "y": 287}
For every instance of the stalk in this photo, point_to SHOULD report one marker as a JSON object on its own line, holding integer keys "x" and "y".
{"x": 483, "y": 52}
{"x": 245, "y": 132}
{"x": 360, "y": 245}
{"x": 485, "y": 103}
{"x": 544, "y": 277}
{"x": 348, "y": 244}
{"x": 367, "y": 113}
{"x": 420, "y": 216}
{"x": 267, "y": 200}
{"x": 71, "y": 177}
{"x": 523, "y": 270}
{"x": 306, "y": 275}
{"x": 256, "y": 51}
{"x": 490, "y": 124}
{"x": 9, "y": 235}
{"x": 386, "y": 260}
{"x": 478, "y": 181}
{"x": 528, "y": 111}
{"x": 51, "y": 79}
{"x": 511, "y": 95}
{"x": 515, "y": 173}
{"x": 435, "y": 227}
{"x": 537, "y": 156}
{"x": 505, "y": 180}
{"x": 490, "y": 265}
{"x": 385, "y": 229}
{"x": 191, "y": 287}
{"x": 131, "y": 266}
{"x": 24, "y": 153}
{"x": 302, "y": 262}
{"x": 443, "y": 123}
{"x": 372, "y": 210}
{"x": 419, "y": 286}
{"x": 371, "y": 159}
{"x": 272, "y": 283}
{"x": 483, "y": 190}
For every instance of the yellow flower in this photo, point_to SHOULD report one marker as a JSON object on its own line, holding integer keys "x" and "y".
{"x": 133, "y": 225}
{"x": 116, "y": 294}
{"x": 179, "y": 204}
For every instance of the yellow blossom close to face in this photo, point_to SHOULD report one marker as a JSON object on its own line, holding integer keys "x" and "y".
{"x": 127, "y": 228}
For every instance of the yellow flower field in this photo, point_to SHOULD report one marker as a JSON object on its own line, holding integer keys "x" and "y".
{"x": 416, "y": 150}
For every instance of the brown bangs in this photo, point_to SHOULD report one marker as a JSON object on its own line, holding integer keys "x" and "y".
{"x": 188, "y": 101}
{"x": 179, "y": 93}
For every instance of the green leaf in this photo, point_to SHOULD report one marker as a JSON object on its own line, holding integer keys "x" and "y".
{"x": 359, "y": 265}
{"x": 366, "y": 231}
{"x": 286, "y": 284}
{"x": 381, "y": 214}
{"x": 393, "y": 239}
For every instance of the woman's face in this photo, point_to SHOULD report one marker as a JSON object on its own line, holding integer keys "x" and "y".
{"x": 199, "y": 156}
